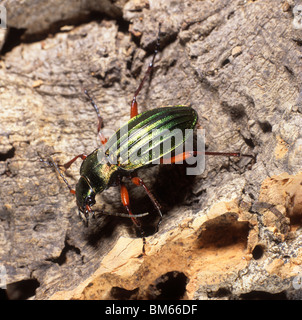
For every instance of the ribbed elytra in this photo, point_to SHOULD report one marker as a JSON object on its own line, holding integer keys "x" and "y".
{"x": 132, "y": 145}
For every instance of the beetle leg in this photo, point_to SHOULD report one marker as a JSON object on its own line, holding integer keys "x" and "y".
{"x": 228, "y": 154}
{"x": 84, "y": 218}
{"x": 139, "y": 182}
{"x": 100, "y": 119}
{"x": 133, "y": 110}
{"x": 178, "y": 158}
{"x": 69, "y": 163}
{"x": 126, "y": 203}
{"x": 188, "y": 154}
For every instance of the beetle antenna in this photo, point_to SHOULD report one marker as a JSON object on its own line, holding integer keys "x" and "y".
{"x": 133, "y": 108}
{"x": 52, "y": 164}
{"x": 64, "y": 179}
{"x": 100, "y": 119}
{"x": 124, "y": 215}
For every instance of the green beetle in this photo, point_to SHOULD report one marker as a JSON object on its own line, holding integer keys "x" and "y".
{"x": 101, "y": 170}
{"x": 130, "y": 148}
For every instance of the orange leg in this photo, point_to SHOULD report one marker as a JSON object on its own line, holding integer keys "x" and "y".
{"x": 69, "y": 163}
{"x": 126, "y": 203}
{"x": 66, "y": 166}
{"x": 179, "y": 158}
{"x": 139, "y": 182}
{"x": 133, "y": 110}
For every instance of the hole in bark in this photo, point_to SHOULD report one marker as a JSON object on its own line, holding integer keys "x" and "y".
{"x": 258, "y": 252}
{"x": 9, "y": 154}
{"x": 235, "y": 112}
{"x": 262, "y": 295}
{"x": 249, "y": 142}
{"x": 22, "y": 290}
{"x": 123, "y": 25}
{"x": 298, "y": 42}
{"x": 294, "y": 209}
{"x": 225, "y": 62}
{"x": 171, "y": 285}
{"x": 223, "y": 231}
{"x": 265, "y": 126}
{"x": 230, "y": 15}
{"x": 296, "y": 219}
{"x": 220, "y": 293}
{"x": 123, "y": 294}
{"x": 289, "y": 70}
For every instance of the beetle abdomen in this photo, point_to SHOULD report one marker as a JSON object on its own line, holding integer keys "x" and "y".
{"x": 150, "y": 136}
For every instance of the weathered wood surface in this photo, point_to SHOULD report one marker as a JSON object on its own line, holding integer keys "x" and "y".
{"x": 238, "y": 63}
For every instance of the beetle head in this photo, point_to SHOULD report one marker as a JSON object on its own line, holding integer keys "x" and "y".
{"x": 85, "y": 199}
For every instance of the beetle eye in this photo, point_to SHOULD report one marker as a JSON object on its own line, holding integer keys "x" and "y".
{"x": 90, "y": 201}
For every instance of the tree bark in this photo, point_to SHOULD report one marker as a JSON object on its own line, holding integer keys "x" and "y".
{"x": 232, "y": 232}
